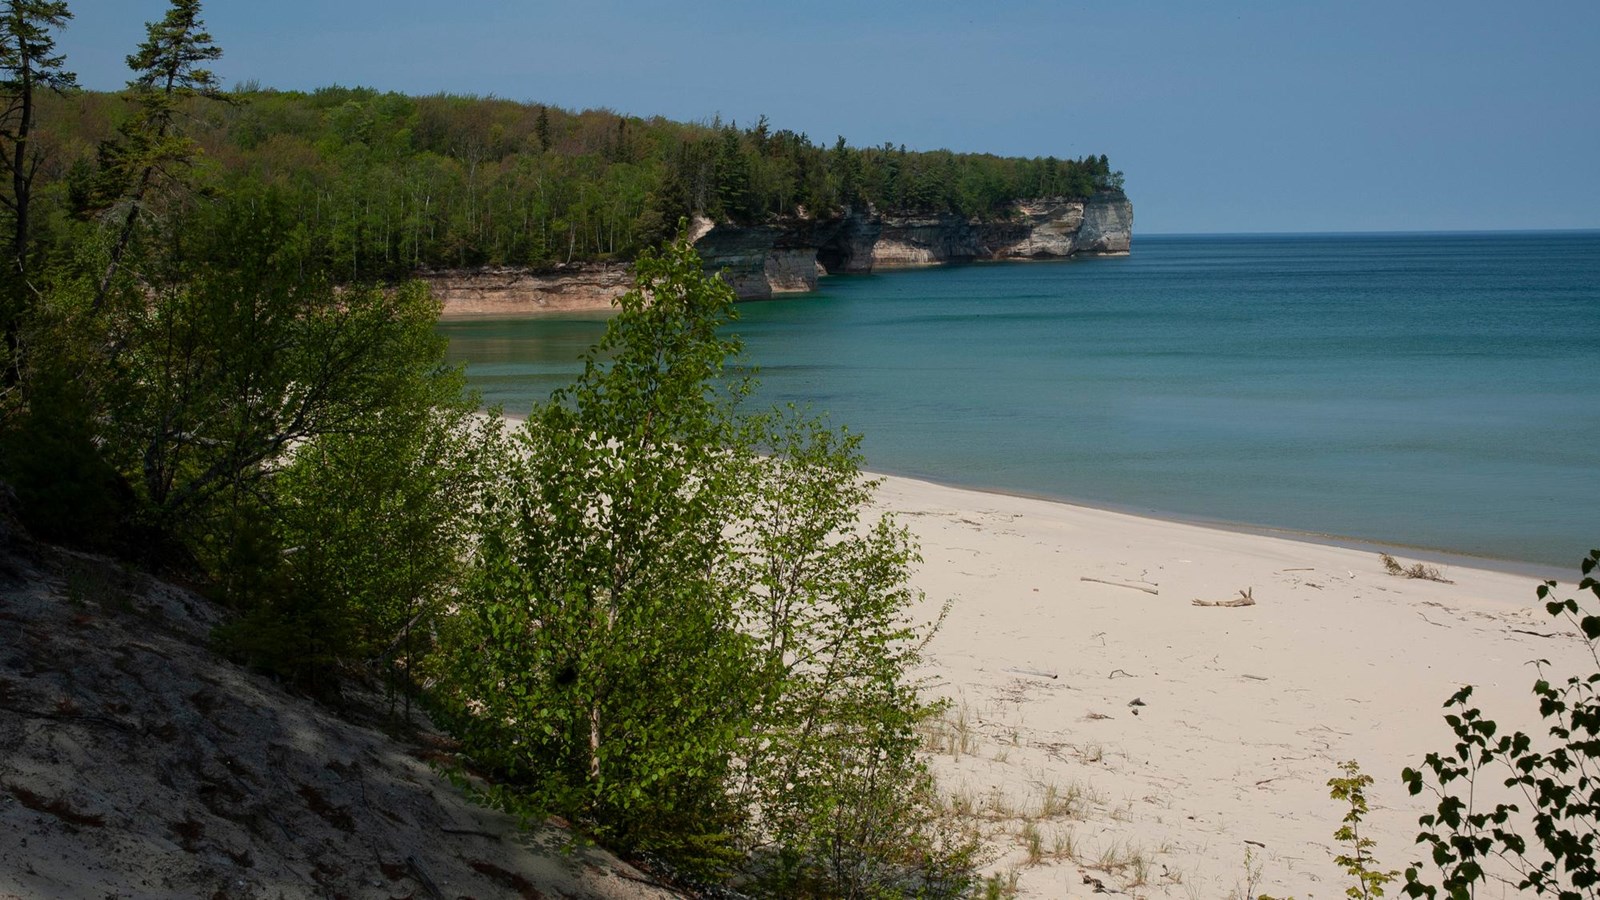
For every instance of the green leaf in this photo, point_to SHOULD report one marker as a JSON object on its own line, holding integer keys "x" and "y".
{"x": 1590, "y": 626}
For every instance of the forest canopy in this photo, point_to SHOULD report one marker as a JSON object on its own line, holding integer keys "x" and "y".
{"x": 388, "y": 183}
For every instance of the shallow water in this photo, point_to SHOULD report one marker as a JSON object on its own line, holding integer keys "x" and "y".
{"x": 1438, "y": 391}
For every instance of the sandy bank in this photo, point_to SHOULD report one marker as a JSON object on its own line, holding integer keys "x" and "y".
{"x": 1246, "y": 712}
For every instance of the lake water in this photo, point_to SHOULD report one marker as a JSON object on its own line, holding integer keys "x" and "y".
{"x": 1431, "y": 391}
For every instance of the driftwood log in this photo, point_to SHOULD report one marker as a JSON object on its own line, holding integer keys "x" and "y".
{"x": 1244, "y": 599}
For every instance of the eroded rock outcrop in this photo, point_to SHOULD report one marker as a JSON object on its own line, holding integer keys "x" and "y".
{"x": 510, "y": 291}
{"x": 1040, "y": 228}
{"x": 760, "y": 261}
{"x": 788, "y": 256}
{"x": 784, "y": 257}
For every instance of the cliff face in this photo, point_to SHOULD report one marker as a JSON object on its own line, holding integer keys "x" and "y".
{"x": 511, "y": 291}
{"x": 787, "y": 257}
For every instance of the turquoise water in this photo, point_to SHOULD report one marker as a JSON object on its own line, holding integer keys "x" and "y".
{"x": 1434, "y": 391}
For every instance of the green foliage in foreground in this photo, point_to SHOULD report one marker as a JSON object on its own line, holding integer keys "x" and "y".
{"x": 680, "y": 634}
{"x": 1546, "y": 838}
{"x": 1351, "y": 789}
{"x": 1549, "y": 840}
{"x": 301, "y": 450}
{"x": 643, "y": 610}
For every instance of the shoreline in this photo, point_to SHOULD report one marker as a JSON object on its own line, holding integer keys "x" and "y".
{"x": 1534, "y": 571}
{"x": 1077, "y": 664}
{"x": 1431, "y": 555}
{"x": 1111, "y": 719}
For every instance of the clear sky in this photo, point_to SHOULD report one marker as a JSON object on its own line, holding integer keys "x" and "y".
{"x": 1355, "y": 115}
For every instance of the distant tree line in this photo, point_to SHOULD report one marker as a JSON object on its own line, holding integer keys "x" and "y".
{"x": 387, "y": 183}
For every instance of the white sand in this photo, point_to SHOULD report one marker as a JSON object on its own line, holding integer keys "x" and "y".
{"x": 1248, "y": 711}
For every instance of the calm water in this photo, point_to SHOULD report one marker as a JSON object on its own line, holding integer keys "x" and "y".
{"x": 1437, "y": 391}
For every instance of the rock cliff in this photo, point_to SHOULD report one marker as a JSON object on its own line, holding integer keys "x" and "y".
{"x": 509, "y": 291}
{"x": 787, "y": 257}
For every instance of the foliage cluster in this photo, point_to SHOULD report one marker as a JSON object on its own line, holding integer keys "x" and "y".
{"x": 1351, "y": 789}
{"x": 187, "y": 387}
{"x": 390, "y": 183}
{"x": 679, "y": 632}
{"x": 1548, "y": 838}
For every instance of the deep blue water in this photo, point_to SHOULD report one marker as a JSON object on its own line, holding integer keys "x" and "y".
{"x": 1436, "y": 391}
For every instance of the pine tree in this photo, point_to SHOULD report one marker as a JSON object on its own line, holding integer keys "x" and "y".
{"x": 168, "y": 72}
{"x": 28, "y": 62}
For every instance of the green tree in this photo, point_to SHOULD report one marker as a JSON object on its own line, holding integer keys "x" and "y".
{"x": 733, "y": 177}
{"x": 168, "y": 72}
{"x": 28, "y": 63}
{"x": 844, "y": 805}
{"x": 358, "y": 546}
{"x": 245, "y": 353}
{"x": 542, "y": 129}
{"x": 601, "y": 664}
{"x": 677, "y": 634}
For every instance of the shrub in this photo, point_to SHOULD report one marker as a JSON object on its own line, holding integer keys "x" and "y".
{"x": 679, "y": 634}
{"x": 1549, "y": 839}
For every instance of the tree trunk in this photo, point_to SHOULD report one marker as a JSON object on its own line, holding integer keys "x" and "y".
{"x": 594, "y": 742}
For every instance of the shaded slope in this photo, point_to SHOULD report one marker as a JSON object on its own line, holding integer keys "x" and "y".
{"x": 134, "y": 763}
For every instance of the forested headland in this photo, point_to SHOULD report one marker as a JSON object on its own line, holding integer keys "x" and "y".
{"x": 387, "y": 183}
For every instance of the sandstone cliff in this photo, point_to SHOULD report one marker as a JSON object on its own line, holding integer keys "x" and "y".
{"x": 788, "y": 257}
{"x": 509, "y": 291}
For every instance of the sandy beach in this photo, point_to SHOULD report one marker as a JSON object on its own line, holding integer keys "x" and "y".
{"x": 1148, "y": 743}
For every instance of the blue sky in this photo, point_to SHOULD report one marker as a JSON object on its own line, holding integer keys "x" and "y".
{"x": 1225, "y": 116}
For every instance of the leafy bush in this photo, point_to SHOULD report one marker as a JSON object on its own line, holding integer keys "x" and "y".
{"x": 301, "y": 449}
{"x": 1549, "y": 842}
{"x": 679, "y": 634}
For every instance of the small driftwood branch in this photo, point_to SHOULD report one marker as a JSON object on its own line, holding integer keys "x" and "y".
{"x": 1121, "y": 584}
{"x": 1432, "y": 622}
{"x": 1017, "y": 670}
{"x": 1244, "y": 599}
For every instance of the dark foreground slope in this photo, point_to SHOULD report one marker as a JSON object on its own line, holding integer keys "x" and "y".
{"x": 135, "y": 763}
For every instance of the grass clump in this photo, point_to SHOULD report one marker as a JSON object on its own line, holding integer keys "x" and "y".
{"x": 1415, "y": 570}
